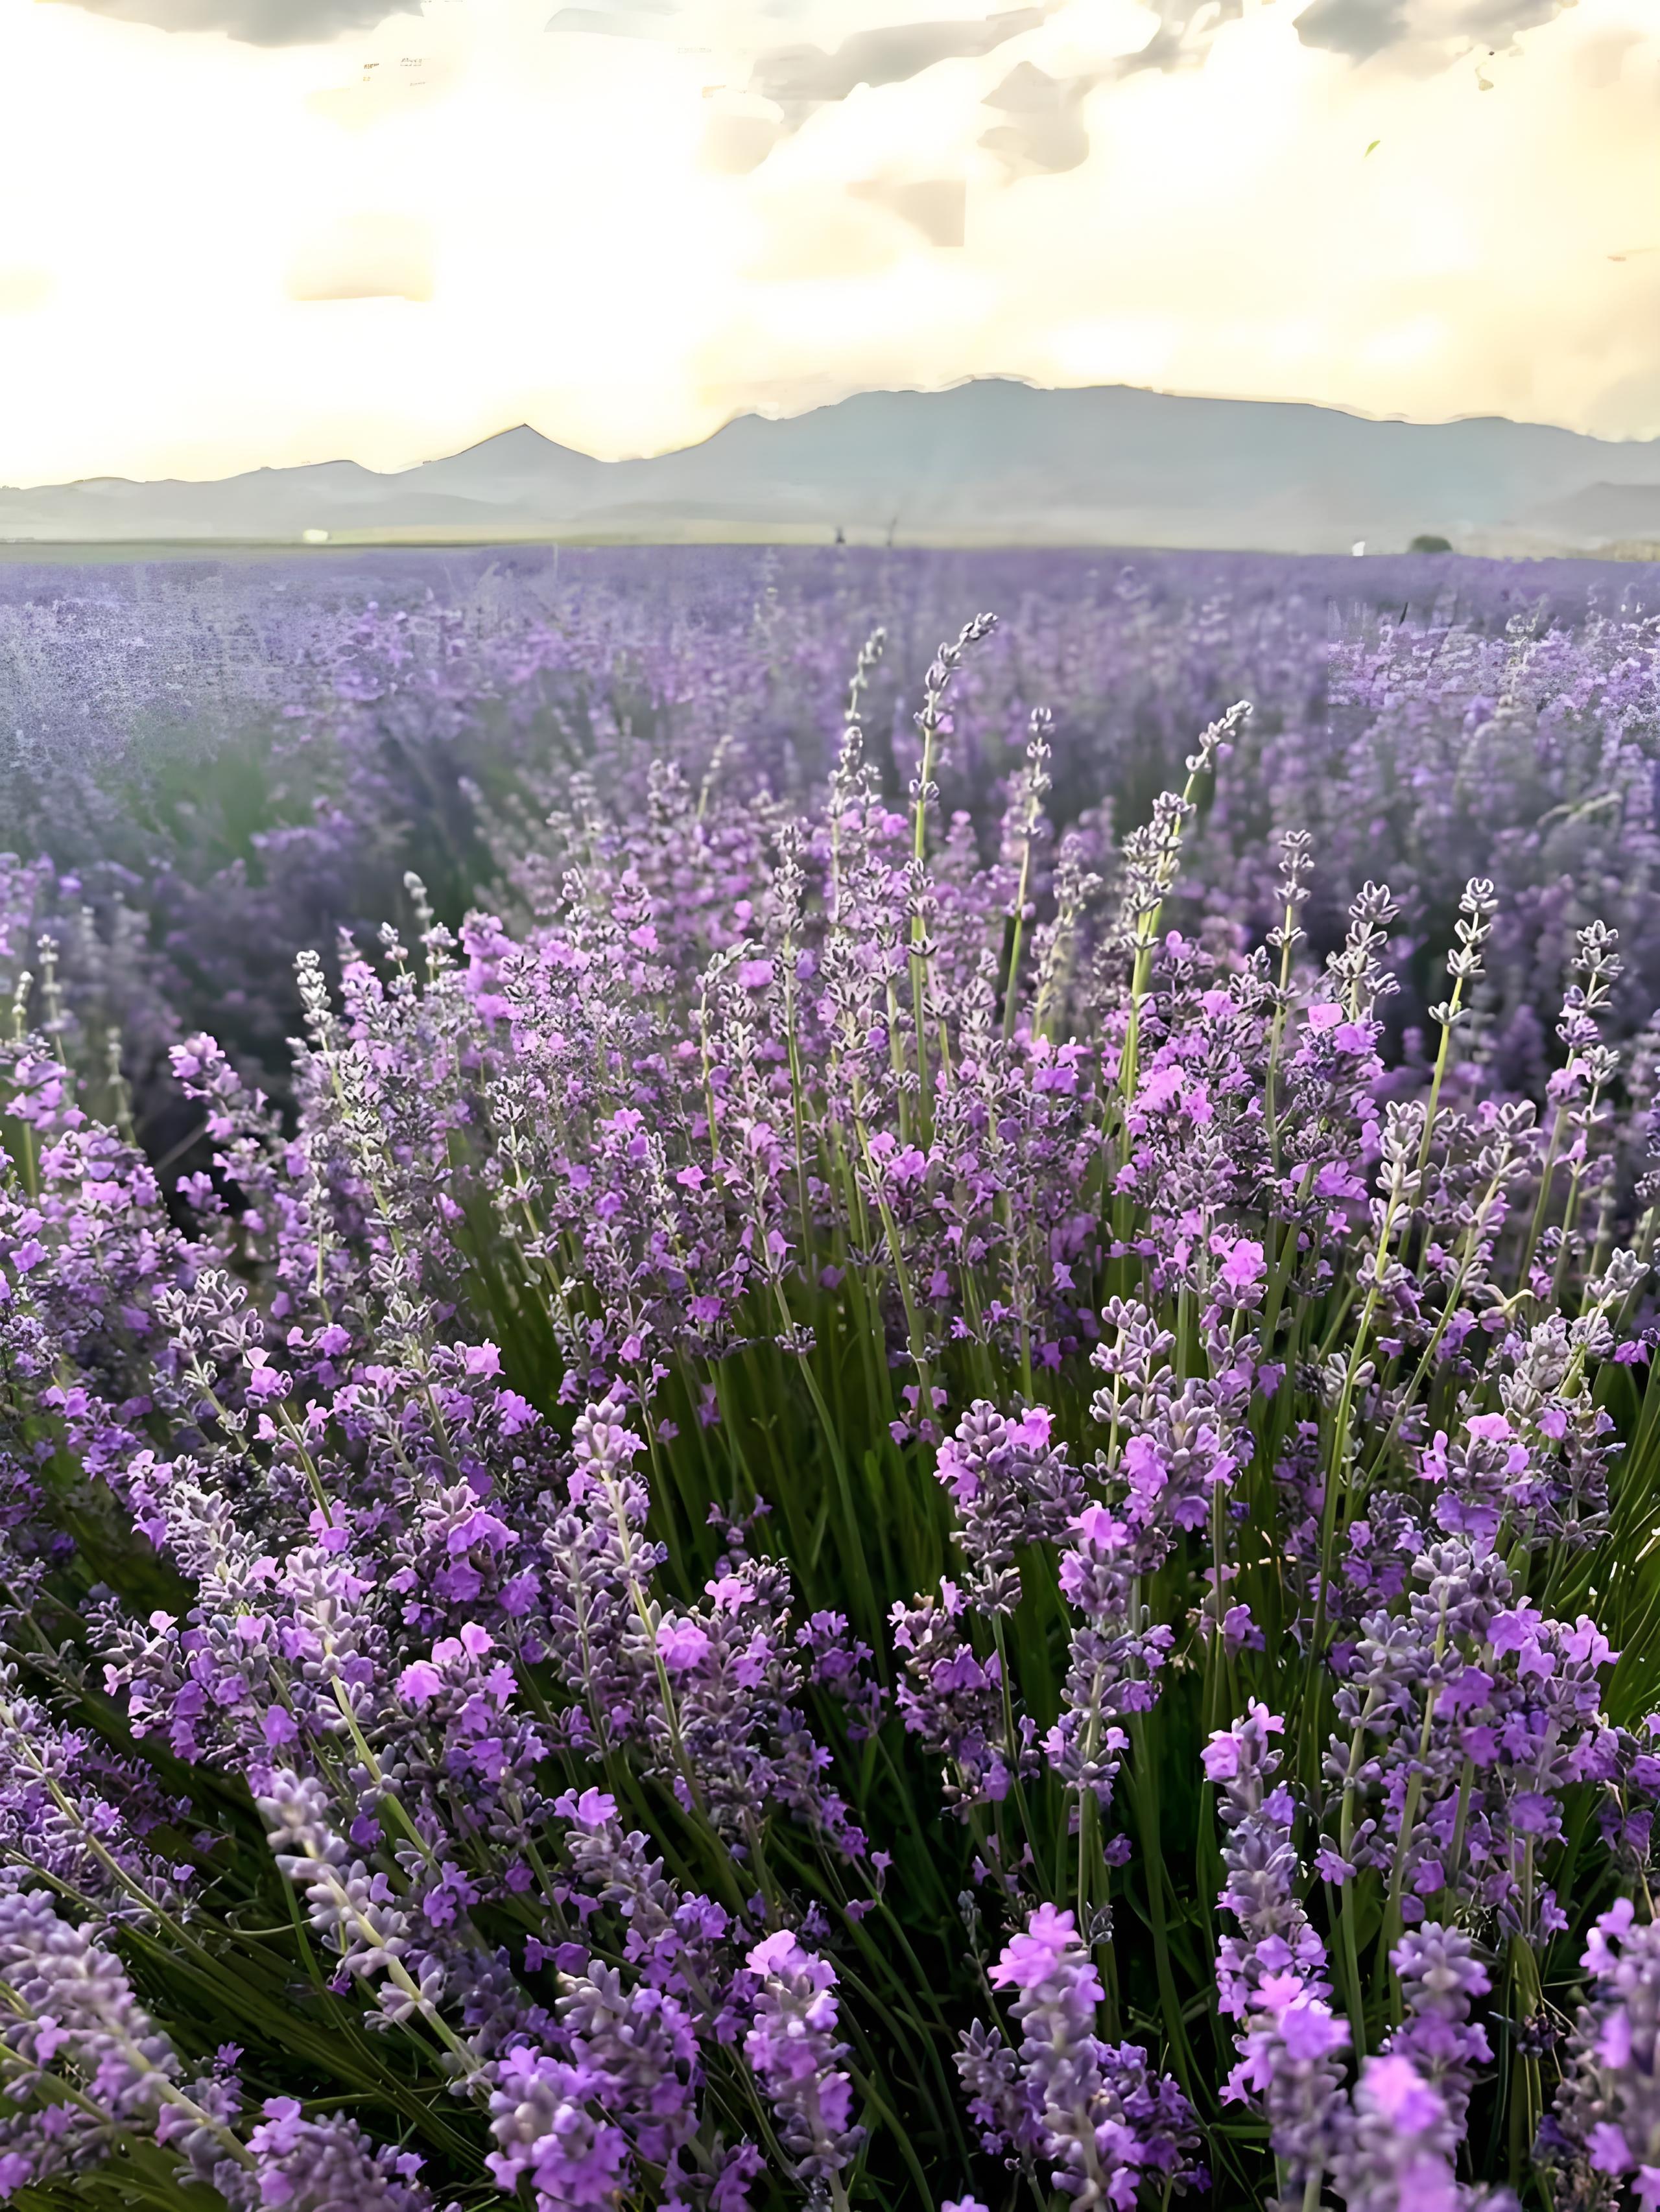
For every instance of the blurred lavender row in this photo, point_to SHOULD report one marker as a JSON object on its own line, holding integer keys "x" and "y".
{"x": 206, "y": 767}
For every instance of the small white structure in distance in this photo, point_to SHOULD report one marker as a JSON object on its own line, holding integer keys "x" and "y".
{"x": 1357, "y": 549}
{"x": 314, "y": 537}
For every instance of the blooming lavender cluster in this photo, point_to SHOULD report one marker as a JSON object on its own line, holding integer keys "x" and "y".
{"x": 852, "y": 1508}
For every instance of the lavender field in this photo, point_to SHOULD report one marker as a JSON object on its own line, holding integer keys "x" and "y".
{"x": 827, "y": 1380}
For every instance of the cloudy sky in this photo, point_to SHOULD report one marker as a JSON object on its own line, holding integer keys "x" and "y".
{"x": 235, "y": 232}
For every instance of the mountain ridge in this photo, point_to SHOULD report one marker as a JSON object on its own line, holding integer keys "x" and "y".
{"x": 989, "y": 458}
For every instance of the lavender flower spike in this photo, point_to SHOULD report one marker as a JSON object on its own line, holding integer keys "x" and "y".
{"x": 1103, "y": 2123}
{"x": 793, "y": 2052}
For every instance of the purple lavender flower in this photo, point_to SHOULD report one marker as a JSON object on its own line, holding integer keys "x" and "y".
{"x": 1603, "y": 2130}
{"x": 549, "y": 2135}
{"x": 1276, "y": 1938}
{"x": 1011, "y": 1487}
{"x": 1102, "y": 2121}
{"x": 322, "y": 2166}
{"x": 1439, "y": 1978}
{"x": 1400, "y": 2145}
{"x": 793, "y": 2051}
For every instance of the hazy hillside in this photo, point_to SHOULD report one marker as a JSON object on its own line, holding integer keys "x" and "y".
{"x": 990, "y": 460}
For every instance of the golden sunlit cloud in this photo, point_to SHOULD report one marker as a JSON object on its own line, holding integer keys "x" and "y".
{"x": 365, "y": 257}
{"x": 935, "y": 207}
{"x": 278, "y": 233}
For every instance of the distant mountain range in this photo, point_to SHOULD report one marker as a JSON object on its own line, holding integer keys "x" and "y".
{"x": 990, "y": 461}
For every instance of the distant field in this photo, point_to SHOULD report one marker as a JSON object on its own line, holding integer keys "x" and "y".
{"x": 233, "y": 753}
{"x": 802, "y": 535}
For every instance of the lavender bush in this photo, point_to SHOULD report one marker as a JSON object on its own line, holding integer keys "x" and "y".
{"x": 858, "y": 1507}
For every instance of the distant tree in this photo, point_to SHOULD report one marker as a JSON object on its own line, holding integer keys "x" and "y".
{"x": 1427, "y": 542}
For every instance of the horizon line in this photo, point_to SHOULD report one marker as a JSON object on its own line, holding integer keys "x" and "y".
{"x": 762, "y": 414}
